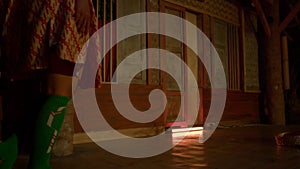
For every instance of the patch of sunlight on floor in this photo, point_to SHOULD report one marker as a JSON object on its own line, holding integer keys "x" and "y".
{"x": 190, "y": 131}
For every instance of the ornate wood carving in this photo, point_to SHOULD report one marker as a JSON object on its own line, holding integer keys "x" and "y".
{"x": 220, "y": 9}
{"x": 251, "y": 76}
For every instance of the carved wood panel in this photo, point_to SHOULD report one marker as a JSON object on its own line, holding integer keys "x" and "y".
{"x": 132, "y": 44}
{"x": 221, "y": 9}
{"x": 251, "y": 74}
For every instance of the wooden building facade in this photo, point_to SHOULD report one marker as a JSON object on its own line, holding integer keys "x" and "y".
{"x": 232, "y": 30}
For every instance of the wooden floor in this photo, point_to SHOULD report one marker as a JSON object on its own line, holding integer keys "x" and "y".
{"x": 251, "y": 147}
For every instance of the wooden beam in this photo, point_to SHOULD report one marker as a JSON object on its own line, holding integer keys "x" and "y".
{"x": 262, "y": 17}
{"x": 274, "y": 93}
{"x": 290, "y": 17}
{"x": 270, "y": 2}
{"x": 296, "y": 17}
{"x": 288, "y": 36}
{"x": 285, "y": 60}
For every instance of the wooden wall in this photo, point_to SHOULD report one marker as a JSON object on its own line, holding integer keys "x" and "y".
{"x": 139, "y": 98}
{"x": 241, "y": 108}
{"x": 242, "y": 105}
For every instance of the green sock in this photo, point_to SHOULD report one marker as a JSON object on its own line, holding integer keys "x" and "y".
{"x": 9, "y": 152}
{"x": 49, "y": 123}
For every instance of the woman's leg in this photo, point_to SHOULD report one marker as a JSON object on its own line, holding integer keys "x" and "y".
{"x": 8, "y": 152}
{"x": 9, "y": 144}
{"x": 50, "y": 120}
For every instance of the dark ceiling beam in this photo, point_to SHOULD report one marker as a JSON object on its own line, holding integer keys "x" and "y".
{"x": 270, "y": 2}
{"x": 290, "y": 17}
{"x": 262, "y": 17}
{"x": 288, "y": 36}
{"x": 296, "y": 17}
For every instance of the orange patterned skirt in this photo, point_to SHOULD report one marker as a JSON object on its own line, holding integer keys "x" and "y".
{"x": 31, "y": 28}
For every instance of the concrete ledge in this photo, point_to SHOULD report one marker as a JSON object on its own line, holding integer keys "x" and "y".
{"x": 81, "y": 138}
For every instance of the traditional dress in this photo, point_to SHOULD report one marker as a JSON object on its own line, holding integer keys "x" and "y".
{"x": 31, "y": 28}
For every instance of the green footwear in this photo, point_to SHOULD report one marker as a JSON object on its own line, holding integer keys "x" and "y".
{"x": 8, "y": 152}
{"x": 49, "y": 123}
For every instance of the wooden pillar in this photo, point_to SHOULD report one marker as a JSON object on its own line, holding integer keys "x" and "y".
{"x": 285, "y": 59}
{"x": 274, "y": 83}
